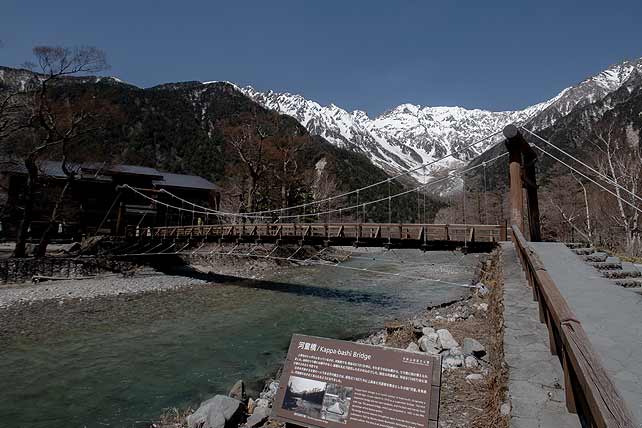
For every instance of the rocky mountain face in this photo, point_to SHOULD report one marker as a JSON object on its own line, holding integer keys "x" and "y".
{"x": 608, "y": 102}
{"x": 411, "y": 135}
{"x": 187, "y": 128}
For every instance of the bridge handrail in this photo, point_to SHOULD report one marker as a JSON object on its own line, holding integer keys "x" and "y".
{"x": 590, "y": 392}
{"x": 483, "y": 232}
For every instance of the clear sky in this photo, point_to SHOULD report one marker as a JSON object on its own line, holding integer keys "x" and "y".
{"x": 370, "y": 55}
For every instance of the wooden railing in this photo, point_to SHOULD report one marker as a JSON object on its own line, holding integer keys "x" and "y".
{"x": 590, "y": 392}
{"x": 329, "y": 231}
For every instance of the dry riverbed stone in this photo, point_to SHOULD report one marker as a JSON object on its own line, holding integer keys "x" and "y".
{"x": 219, "y": 411}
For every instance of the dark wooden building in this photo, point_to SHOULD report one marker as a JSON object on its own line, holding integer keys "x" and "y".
{"x": 97, "y": 202}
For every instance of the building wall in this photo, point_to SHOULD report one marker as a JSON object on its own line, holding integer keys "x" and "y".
{"x": 87, "y": 204}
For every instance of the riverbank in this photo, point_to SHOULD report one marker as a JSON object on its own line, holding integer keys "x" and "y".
{"x": 74, "y": 359}
{"x": 187, "y": 271}
{"x": 467, "y": 334}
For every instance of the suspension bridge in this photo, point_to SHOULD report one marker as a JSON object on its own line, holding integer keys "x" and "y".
{"x": 592, "y": 324}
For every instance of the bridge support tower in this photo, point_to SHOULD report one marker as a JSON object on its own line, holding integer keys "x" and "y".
{"x": 523, "y": 174}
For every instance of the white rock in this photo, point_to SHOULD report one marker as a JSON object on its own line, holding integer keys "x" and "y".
{"x": 260, "y": 415}
{"x": 505, "y": 409}
{"x": 413, "y": 347}
{"x": 262, "y": 402}
{"x": 471, "y": 362}
{"x": 216, "y": 412}
{"x": 473, "y": 347}
{"x": 456, "y": 351}
{"x": 451, "y": 362}
{"x": 270, "y": 391}
{"x": 483, "y": 306}
{"x": 430, "y": 343}
{"x": 482, "y": 289}
{"x": 473, "y": 377}
{"x": 427, "y": 330}
{"x": 446, "y": 340}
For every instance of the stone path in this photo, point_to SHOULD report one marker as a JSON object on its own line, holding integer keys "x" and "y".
{"x": 536, "y": 380}
{"x": 611, "y": 316}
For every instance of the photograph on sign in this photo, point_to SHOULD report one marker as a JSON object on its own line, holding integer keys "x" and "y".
{"x": 333, "y": 383}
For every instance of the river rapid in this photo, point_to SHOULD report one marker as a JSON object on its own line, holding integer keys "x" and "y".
{"x": 118, "y": 361}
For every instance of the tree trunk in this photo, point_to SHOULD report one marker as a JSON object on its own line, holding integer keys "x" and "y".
{"x": 251, "y": 193}
{"x": 27, "y": 214}
{"x": 41, "y": 251}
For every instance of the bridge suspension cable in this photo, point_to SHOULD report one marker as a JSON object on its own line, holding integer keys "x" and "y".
{"x": 596, "y": 172}
{"x": 353, "y": 207}
{"x": 588, "y": 178}
{"x": 263, "y": 213}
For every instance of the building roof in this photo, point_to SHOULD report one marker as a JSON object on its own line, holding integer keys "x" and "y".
{"x": 111, "y": 169}
{"x": 102, "y": 172}
{"x": 184, "y": 181}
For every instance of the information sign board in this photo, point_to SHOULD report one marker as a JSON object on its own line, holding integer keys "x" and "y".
{"x": 338, "y": 384}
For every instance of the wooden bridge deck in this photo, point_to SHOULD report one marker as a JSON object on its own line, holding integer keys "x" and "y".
{"x": 397, "y": 235}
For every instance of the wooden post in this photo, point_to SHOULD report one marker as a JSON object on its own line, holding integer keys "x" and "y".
{"x": 515, "y": 166}
{"x": 530, "y": 181}
{"x": 523, "y": 158}
{"x": 119, "y": 219}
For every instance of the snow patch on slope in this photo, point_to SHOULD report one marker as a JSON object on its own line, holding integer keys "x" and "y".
{"x": 410, "y": 135}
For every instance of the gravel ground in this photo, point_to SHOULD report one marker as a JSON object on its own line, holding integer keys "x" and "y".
{"x": 102, "y": 285}
{"x": 145, "y": 279}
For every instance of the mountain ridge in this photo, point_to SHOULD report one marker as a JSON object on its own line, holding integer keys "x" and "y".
{"x": 409, "y": 135}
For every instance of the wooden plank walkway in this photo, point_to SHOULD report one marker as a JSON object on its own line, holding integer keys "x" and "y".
{"x": 611, "y": 316}
{"x": 397, "y": 235}
{"x": 536, "y": 379}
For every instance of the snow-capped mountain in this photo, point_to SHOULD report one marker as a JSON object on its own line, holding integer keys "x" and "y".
{"x": 411, "y": 135}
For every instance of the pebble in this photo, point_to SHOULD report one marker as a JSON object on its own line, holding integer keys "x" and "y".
{"x": 473, "y": 377}
{"x": 471, "y": 362}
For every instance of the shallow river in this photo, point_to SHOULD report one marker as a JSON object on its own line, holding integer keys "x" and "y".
{"x": 176, "y": 348}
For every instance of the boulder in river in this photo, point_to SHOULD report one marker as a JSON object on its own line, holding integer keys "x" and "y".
{"x": 219, "y": 411}
{"x": 238, "y": 390}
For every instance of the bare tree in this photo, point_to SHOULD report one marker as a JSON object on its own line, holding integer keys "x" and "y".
{"x": 621, "y": 161}
{"x": 588, "y": 224}
{"x": 249, "y": 143}
{"x": 566, "y": 209}
{"x": 54, "y": 124}
{"x": 286, "y": 151}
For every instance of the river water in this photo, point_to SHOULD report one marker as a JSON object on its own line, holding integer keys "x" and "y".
{"x": 177, "y": 348}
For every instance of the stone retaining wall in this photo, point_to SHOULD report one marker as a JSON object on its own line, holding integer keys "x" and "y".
{"x": 25, "y": 269}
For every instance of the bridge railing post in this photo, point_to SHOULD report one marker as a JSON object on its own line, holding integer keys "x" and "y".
{"x": 522, "y": 158}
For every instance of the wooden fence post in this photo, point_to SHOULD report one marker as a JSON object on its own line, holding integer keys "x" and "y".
{"x": 522, "y": 158}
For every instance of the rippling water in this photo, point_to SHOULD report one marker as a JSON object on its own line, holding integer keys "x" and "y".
{"x": 177, "y": 348}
